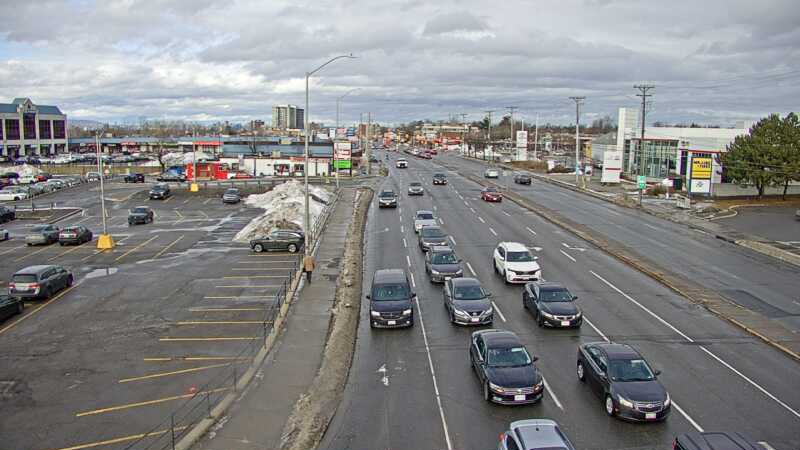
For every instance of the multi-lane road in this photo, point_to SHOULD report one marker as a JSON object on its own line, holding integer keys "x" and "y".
{"x": 414, "y": 388}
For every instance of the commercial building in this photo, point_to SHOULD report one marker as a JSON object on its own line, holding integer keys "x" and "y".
{"x": 288, "y": 117}
{"x": 27, "y": 129}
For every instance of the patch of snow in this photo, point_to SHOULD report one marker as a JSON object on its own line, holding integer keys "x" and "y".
{"x": 181, "y": 158}
{"x": 25, "y": 170}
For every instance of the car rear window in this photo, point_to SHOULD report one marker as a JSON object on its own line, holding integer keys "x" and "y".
{"x": 432, "y": 232}
{"x": 425, "y": 216}
{"x": 139, "y": 210}
{"x": 24, "y": 278}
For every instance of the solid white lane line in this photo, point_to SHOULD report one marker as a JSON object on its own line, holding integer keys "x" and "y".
{"x": 405, "y": 244}
{"x": 492, "y": 230}
{"x": 469, "y": 266}
{"x": 452, "y": 240}
{"x": 509, "y": 215}
{"x": 413, "y": 283}
{"x": 481, "y": 219}
{"x": 651, "y": 227}
{"x": 532, "y": 232}
{"x": 687, "y": 417}
{"x": 408, "y": 260}
{"x": 552, "y": 394}
{"x": 500, "y": 313}
{"x": 401, "y": 219}
{"x": 707, "y": 351}
{"x": 766, "y": 445}
{"x": 433, "y": 377}
{"x": 402, "y": 229}
{"x": 597, "y": 330}
{"x": 567, "y": 255}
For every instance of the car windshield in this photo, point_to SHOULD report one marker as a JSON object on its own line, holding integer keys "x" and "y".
{"x": 415, "y": 184}
{"x": 424, "y": 216}
{"x": 492, "y": 190}
{"x": 232, "y": 191}
{"x": 438, "y": 175}
{"x": 24, "y": 278}
{"x": 139, "y": 210}
{"x": 389, "y": 292}
{"x": 508, "y": 357}
{"x": 432, "y": 232}
{"x": 387, "y": 194}
{"x": 473, "y": 292}
{"x": 555, "y": 295}
{"x": 524, "y": 256}
{"x": 444, "y": 258}
{"x": 630, "y": 370}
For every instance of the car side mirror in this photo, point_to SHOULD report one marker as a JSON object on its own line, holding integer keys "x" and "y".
{"x": 489, "y": 294}
{"x": 657, "y": 372}
{"x": 603, "y": 376}
{"x": 369, "y": 296}
{"x": 413, "y": 295}
{"x": 574, "y": 297}
{"x": 535, "y": 358}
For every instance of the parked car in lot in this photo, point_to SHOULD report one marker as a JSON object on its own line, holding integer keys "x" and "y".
{"x": 534, "y": 434}
{"x": 552, "y": 304}
{"x": 160, "y": 192}
{"x": 7, "y": 214}
{"x": 504, "y": 368}
{"x": 415, "y": 188}
{"x": 135, "y": 178}
{"x": 515, "y": 263}
{"x": 76, "y": 234}
{"x": 171, "y": 176}
{"x": 10, "y": 306}
{"x": 491, "y": 173}
{"x": 391, "y": 300}
{"x": 232, "y": 196}
{"x": 622, "y": 378}
{"x": 423, "y": 218}
{"x": 714, "y": 440}
{"x": 42, "y": 235}
{"x": 797, "y": 214}
{"x": 442, "y": 264}
{"x": 401, "y": 163}
{"x": 4, "y": 235}
{"x": 439, "y": 178}
{"x": 522, "y": 178}
{"x": 466, "y": 301}
{"x": 387, "y": 199}
{"x": 13, "y": 193}
{"x": 432, "y": 236}
{"x": 92, "y": 176}
{"x": 140, "y": 214}
{"x": 39, "y": 282}
{"x": 491, "y": 194}
{"x": 285, "y": 240}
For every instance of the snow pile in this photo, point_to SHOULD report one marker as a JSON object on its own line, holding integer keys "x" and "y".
{"x": 26, "y": 171}
{"x": 284, "y": 208}
{"x": 181, "y": 158}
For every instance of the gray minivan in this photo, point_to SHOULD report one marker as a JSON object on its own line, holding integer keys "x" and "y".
{"x": 39, "y": 282}
{"x": 391, "y": 300}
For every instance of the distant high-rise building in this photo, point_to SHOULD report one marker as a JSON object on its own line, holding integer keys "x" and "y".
{"x": 287, "y": 117}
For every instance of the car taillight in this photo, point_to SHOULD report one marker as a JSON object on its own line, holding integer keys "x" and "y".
{"x": 12, "y": 285}
{"x": 34, "y": 285}
{"x": 502, "y": 436}
{"x": 674, "y": 444}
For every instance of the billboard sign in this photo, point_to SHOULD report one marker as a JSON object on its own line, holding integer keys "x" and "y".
{"x": 700, "y": 186}
{"x": 701, "y": 168}
{"x": 342, "y": 150}
{"x": 332, "y": 133}
{"x": 612, "y": 166}
{"x": 522, "y": 139}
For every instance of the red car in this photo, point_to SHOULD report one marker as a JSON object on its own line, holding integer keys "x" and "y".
{"x": 491, "y": 194}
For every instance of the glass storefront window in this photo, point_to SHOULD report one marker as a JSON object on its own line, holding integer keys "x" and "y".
{"x": 659, "y": 158}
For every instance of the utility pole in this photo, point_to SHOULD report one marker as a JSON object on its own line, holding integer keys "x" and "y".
{"x": 511, "y": 110}
{"x": 368, "y": 148}
{"x": 643, "y": 88}
{"x": 194, "y": 186}
{"x": 578, "y": 101}
{"x": 464, "y": 132}
{"x": 488, "y": 133}
{"x": 536, "y": 140}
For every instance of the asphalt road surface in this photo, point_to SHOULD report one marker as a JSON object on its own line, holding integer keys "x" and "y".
{"x": 414, "y": 388}
{"x": 770, "y": 222}
{"x": 145, "y": 326}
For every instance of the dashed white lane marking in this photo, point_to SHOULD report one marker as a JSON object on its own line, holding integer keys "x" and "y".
{"x": 402, "y": 229}
{"x": 401, "y": 219}
{"x": 651, "y": 227}
{"x": 441, "y": 221}
{"x": 400, "y": 211}
{"x": 473, "y": 210}
{"x": 766, "y": 445}
{"x": 552, "y": 394}
{"x": 481, "y": 219}
{"x": 452, "y": 240}
{"x": 492, "y": 230}
{"x": 469, "y": 266}
{"x": 405, "y": 244}
{"x": 465, "y": 202}
{"x": 532, "y": 232}
{"x": 408, "y": 260}
{"x": 509, "y": 215}
{"x": 567, "y": 255}
{"x": 707, "y": 351}
{"x": 499, "y": 313}
{"x": 413, "y": 283}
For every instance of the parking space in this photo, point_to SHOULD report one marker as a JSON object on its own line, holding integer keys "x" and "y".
{"x": 167, "y": 314}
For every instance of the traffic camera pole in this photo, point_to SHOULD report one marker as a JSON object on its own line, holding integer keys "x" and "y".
{"x": 104, "y": 241}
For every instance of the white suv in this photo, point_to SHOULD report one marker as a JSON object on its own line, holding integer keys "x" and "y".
{"x": 515, "y": 263}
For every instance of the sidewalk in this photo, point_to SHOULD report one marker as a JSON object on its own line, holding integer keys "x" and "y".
{"x": 256, "y": 419}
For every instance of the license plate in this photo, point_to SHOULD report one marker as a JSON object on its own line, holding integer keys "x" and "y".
{"x": 649, "y": 416}
{"x": 447, "y": 278}
{"x": 473, "y": 319}
{"x": 565, "y": 323}
{"x": 519, "y": 398}
{"x": 392, "y": 322}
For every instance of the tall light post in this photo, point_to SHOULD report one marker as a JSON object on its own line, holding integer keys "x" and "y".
{"x": 104, "y": 241}
{"x": 338, "y": 107}
{"x": 578, "y": 102}
{"x": 307, "y": 217}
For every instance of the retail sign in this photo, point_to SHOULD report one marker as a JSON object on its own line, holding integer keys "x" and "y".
{"x": 343, "y": 164}
{"x": 342, "y": 150}
{"x": 701, "y": 168}
{"x": 642, "y": 181}
{"x": 522, "y": 139}
{"x": 700, "y": 186}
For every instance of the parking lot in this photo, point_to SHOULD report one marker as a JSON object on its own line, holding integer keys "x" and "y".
{"x": 144, "y": 328}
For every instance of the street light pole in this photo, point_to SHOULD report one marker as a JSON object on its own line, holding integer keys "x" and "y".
{"x": 104, "y": 241}
{"x": 578, "y": 101}
{"x": 307, "y": 215}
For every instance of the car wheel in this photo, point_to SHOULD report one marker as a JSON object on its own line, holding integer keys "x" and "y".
{"x": 258, "y": 248}
{"x": 452, "y": 317}
{"x": 580, "y": 371}
{"x": 609, "y": 406}
{"x": 292, "y": 248}
{"x": 505, "y": 277}
{"x": 20, "y": 307}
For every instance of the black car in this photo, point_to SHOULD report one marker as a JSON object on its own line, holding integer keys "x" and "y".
{"x": 10, "y": 306}
{"x": 7, "y": 215}
{"x": 432, "y": 236}
{"x": 552, "y": 304}
{"x": 39, "y": 282}
{"x": 391, "y": 300}
{"x": 522, "y": 178}
{"x": 467, "y": 302}
{"x": 441, "y": 264}
{"x": 232, "y": 196}
{"x": 285, "y": 240}
{"x": 504, "y": 368}
{"x": 622, "y": 378}
{"x": 134, "y": 178}
{"x": 77, "y": 234}
{"x": 171, "y": 176}
{"x": 439, "y": 178}
{"x": 713, "y": 440}
{"x": 140, "y": 214}
{"x": 160, "y": 192}
{"x": 387, "y": 199}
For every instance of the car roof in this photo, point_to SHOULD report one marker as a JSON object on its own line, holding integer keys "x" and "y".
{"x": 500, "y": 339}
{"x": 537, "y": 433}
{"x": 423, "y": 211}
{"x": 715, "y": 441}
{"x": 441, "y": 249}
{"x": 33, "y": 270}
{"x": 465, "y": 281}
{"x": 618, "y": 351}
{"x": 389, "y": 276}
{"x": 514, "y": 246}
{"x": 550, "y": 285}
{"x": 439, "y": 174}
{"x": 140, "y": 206}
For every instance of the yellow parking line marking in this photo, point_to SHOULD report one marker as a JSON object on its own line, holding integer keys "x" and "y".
{"x": 253, "y": 276}
{"x": 187, "y": 201}
{"x": 208, "y": 339}
{"x": 136, "y": 248}
{"x": 66, "y": 252}
{"x": 120, "y": 440}
{"x": 168, "y": 247}
{"x": 236, "y": 296}
{"x": 12, "y": 249}
{"x": 224, "y": 309}
{"x": 221, "y": 322}
{"x": 101, "y": 251}
{"x": 178, "y": 213}
{"x": 34, "y": 253}
{"x": 203, "y": 212}
{"x": 174, "y": 372}
{"x": 147, "y": 403}
{"x": 168, "y": 199}
{"x": 197, "y": 358}
{"x": 207, "y": 200}
{"x": 39, "y": 308}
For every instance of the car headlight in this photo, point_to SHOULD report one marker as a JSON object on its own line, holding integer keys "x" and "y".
{"x": 459, "y": 271}
{"x": 624, "y": 402}
{"x": 548, "y": 315}
{"x": 495, "y": 387}
{"x": 407, "y": 312}
{"x": 461, "y": 313}
{"x": 667, "y": 401}
{"x": 435, "y": 272}
{"x": 488, "y": 311}
{"x": 539, "y": 385}
{"x": 374, "y": 313}
{"x": 578, "y": 314}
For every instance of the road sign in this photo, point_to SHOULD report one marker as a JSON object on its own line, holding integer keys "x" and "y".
{"x": 642, "y": 181}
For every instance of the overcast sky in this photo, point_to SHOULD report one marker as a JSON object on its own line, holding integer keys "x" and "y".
{"x": 712, "y": 61}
